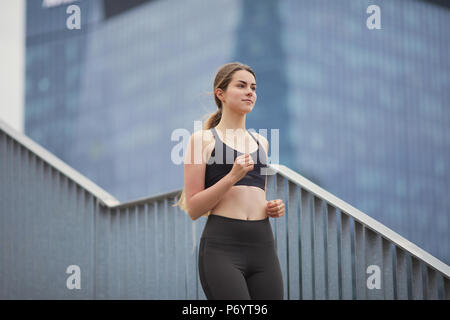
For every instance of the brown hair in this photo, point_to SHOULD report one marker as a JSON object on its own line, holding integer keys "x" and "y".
{"x": 221, "y": 81}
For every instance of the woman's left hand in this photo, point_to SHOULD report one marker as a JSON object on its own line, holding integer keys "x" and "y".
{"x": 275, "y": 208}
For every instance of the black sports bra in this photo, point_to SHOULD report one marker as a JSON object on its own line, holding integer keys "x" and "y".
{"x": 216, "y": 169}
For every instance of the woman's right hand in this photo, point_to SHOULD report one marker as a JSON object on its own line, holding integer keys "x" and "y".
{"x": 242, "y": 164}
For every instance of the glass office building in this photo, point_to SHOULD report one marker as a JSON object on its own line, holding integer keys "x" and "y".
{"x": 363, "y": 113}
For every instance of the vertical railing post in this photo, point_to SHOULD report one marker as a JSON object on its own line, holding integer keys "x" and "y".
{"x": 374, "y": 269}
{"x": 346, "y": 258}
{"x": 401, "y": 275}
{"x": 294, "y": 242}
{"x": 306, "y": 244}
{"x": 360, "y": 270}
{"x": 388, "y": 270}
{"x": 320, "y": 266}
{"x": 332, "y": 254}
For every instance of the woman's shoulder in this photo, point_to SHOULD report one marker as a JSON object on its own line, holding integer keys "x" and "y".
{"x": 205, "y": 137}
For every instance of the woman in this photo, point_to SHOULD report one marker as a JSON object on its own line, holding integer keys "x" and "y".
{"x": 237, "y": 256}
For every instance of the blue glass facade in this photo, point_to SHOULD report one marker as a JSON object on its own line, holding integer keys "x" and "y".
{"x": 363, "y": 113}
{"x": 371, "y": 110}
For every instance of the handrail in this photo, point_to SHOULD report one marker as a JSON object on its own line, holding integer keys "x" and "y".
{"x": 104, "y": 197}
{"x": 109, "y": 201}
{"x": 145, "y": 200}
{"x": 363, "y": 218}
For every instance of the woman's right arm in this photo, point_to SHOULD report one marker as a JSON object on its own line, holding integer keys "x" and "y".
{"x": 198, "y": 199}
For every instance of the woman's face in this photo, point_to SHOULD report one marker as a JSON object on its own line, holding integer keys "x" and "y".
{"x": 240, "y": 95}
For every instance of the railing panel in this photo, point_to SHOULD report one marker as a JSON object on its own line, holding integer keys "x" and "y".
{"x": 121, "y": 252}
{"x": 171, "y": 257}
{"x": 192, "y": 236}
{"x": 130, "y": 253}
{"x": 14, "y": 289}
{"x": 163, "y": 250}
{"x": 126, "y": 252}
{"x": 132, "y": 249}
{"x": 52, "y": 217}
{"x": 346, "y": 257}
{"x": 116, "y": 262}
{"x": 199, "y": 225}
{"x": 431, "y": 284}
{"x": 446, "y": 289}
{"x": 148, "y": 246}
{"x": 7, "y": 192}
{"x": 306, "y": 246}
{"x": 180, "y": 248}
{"x": 42, "y": 234}
{"x": 271, "y": 193}
{"x": 34, "y": 220}
{"x": 49, "y": 238}
{"x": 62, "y": 183}
{"x": 360, "y": 261}
{"x": 320, "y": 265}
{"x": 153, "y": 248}
{"x": 141, "y": 255}
{"x": 132, "y": 246}
{"x": 388, "y": 270}
{"x": 102, "y": 254}
{"x": 332, "y": 253}
{"x": 135, "y": 251}
{"x": 88, "y": 217}
{"x": 417, "y": 281}
{"x": 21, "y": 258}
{"x": 280, "y": 230}
{"x": 401, "y": 275}
{"x": 4, "y": 172}
{"x": 45, "y": 237}
{"x": 374, "y": 265}
{"x": 293, "y": 222}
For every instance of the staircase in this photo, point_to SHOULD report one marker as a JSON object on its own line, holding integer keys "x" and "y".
{"x": 52, "y": 218}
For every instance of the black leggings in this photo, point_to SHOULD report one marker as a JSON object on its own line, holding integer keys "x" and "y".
{"x": 238, "y": 260}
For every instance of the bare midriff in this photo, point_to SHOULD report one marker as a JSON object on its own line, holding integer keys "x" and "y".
{"x": 240, "y": 202}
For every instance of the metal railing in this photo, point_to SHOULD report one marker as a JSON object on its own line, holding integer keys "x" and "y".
{"x": 52, "y": 217}
{"x": 331, "y": 250}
